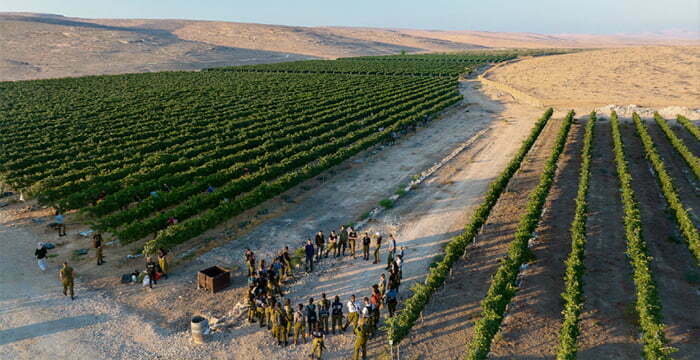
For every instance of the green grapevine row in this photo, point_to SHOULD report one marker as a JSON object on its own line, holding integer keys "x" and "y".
{"x": 679, "y": 146}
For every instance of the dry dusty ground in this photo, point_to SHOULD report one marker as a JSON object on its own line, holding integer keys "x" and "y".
{"x": 646, "y": 76}
{"x": 39, "y": 46}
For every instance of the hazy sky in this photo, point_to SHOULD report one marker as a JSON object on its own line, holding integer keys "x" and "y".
{"x": 543, "y": 16}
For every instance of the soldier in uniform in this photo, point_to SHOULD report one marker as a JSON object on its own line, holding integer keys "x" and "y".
{"x": 381, "y": 285}
{"x": 361, "y": 334}
{"x": 281, "y": 320}
{"x": 324, "y": 307}
{"x": 353, "y": 313}
{"x": 365, "y": 246}
{"x": 337, "y": 314}
{"x": 299, "y": 324}
{"x": 289, "y": 314}
{"x": 378, "y": 245}
{"x": 317, "y": 341}
{"x": 332, "y": 243}
{"x": 250, "y": 261}
{"x": 352, "y": 240}
{"x": 163, "y": 262}
{"x": 66, "y": 275}
{"x": 270, "y": 311}
{"x": 97, "y": 244}
{"x": 320, "y": 241}
{"x": 251, "y": 304}
{"x": 261, "y": 309}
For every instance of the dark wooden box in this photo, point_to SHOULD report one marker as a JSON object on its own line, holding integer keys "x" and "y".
{"x": 213, "y": 279}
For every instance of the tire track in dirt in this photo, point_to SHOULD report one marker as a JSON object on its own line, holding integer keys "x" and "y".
{"x": 607, "y": 328}
{"x": 533, "y": 319}
{"x": 680, "y": 300}
{"x": 450, "y": 315}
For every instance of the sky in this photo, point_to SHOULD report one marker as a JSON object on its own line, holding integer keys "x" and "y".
{"x": 539, "y": 16}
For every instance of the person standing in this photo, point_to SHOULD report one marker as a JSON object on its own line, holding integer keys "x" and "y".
{"x": 299, "y": 324}
{"x": 287, "y": 261}
{"x": 281, "y": 320}
{"x": 97, "y": 244}
{"x": 311, "y": 315}
{"x": 378, "y": 245}
{"x": 361, "y": 335}
{"x": 40, "y": 253}
{"x": 251, "y": 304}
{"x": 365, "y": 246}
{"x": 250, "y": 261}
{"x": 151, "y": 271}
{"x": 332, "y": 243}
{"x": 381, "y": 285}
{"x": 337, "y": 314}
{"x": 320, "y": 241}
{"x": 352, "y": 240}
{"x": 59, "y": 219}
{"x": 324, "y": 307}
{"x": 309, "y": 251}
{"x": 318, "y": 342}
{"x": 163, "y": 262}
{"x": 289, "y": 315}
{"x": 392, "y": 299}
{"x": 353, "y": 315}
{"x": 343, "y": 240}
{"x": 66, "y": 275}
{"x": 392, "y": 251}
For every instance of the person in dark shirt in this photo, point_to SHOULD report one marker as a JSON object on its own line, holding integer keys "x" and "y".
{"x": 337, "y": 314}
{"x": 151, "y": 271}
{"x": 309, "y": 251}
{"x": 40, "y": 254}
{"x": 320, "y": 242}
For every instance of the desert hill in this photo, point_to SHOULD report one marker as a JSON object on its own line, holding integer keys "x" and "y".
{"x": 34, "y": 46}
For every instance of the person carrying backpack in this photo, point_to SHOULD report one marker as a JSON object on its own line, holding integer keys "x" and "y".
{"x": 311, "y": 316}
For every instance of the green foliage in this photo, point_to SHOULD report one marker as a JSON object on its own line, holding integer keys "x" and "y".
{"x": 693, "y": 129}
{"x": 573, "y": 278}
{"x": 647, "y": 302}
{"x": 386, "y": 203}
{"x": 688, "y": 229}
{"x": 400, "y": 325}
{"x": 503, "y": 284}
{"x": 678, "y": 144}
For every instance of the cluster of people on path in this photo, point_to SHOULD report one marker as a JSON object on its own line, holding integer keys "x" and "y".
{"x": 316, "y": 320}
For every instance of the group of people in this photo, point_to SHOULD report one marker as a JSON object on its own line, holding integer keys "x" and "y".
{"x": 347, "y": 239}
{"x": 267, "y": 307}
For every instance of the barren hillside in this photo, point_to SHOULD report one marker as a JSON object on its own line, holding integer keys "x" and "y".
{"x": 34, "y": 46}
{"x": 645, "y": 76}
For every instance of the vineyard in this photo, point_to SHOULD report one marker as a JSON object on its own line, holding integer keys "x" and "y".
{"x": 595, "y": 265}
{"x": 132, "y": 151}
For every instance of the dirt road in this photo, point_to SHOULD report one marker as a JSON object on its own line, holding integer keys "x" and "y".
{"x": 36, "y": 319}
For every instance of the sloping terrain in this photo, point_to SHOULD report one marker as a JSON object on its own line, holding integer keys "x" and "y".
{"x": 37, "y": 46}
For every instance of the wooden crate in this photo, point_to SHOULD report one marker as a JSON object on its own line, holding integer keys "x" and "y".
{"x": 213, "y": 279}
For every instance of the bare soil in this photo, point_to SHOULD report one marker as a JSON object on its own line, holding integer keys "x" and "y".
{"x": 531, "y": 325}
{"x": 608, "y": 322}
{"x": 686, "y": 184}
{"x": 449, "y": 317}
{"x": 673, "y": 262}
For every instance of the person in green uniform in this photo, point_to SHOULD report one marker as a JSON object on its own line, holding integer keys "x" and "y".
{"x": 365, "y": 246}
{"x": 352, "y": 240}
{"x": 163, "y": 262}
{"x": 270, "y": 311}
{"x": 378, "y": 246}
{"x": 251, "y": 304}
{"x": 317, "y": 342}
{"x": 66, "y": 275}
{"x": 281, "y": 321}
{"x": 381, "y": 285}
{"x": 361, "y": 334}
{"x": 299, "y": 324}
{"x": 324, "y": 307}
{"x": 353, "y": 313}
{"x": 260, "y": 310}
{"x": 289, "y": 315}
{"x": 275, "y": 321}
{"x": 97, "y": 244}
